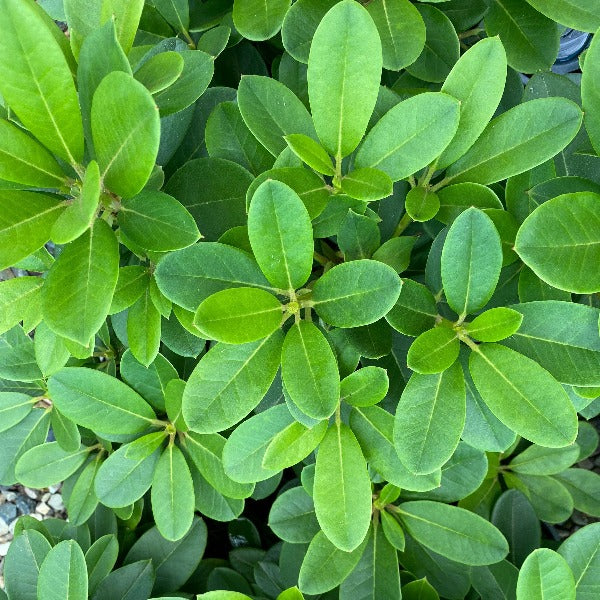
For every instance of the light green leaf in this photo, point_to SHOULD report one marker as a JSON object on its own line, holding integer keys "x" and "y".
{"x": 145, "y": 445}
{"x": 356, "y": 293}
{"x": 344, "y": 72}
{"x": 82, "y": 501}
{"x": 17, "y": 357}
{"x": 471, "y": 261}
{"x": 121, "y": 481}
{"x": 29, "y": 432}
{"x": 365, "y": 387}
{"x": 293, "y": 444}
{"x": 156, "y": 221}
{"x": 376, "y": 574}
{"x": 292, "y": 593}
{"x": 419, "y": 589}
{"x": 24, "y": 160}
{"x": 477, "y": 81}
{"x": 561, "y": 337}
{"x": 131, "y": 284}
{"x": 307, "y": 184}
{"x": 577, "y": 14}
{"x": 590, "y": 93}
{"x": 455, "y": 199}
{"x": 198, "y": 68}
{"x": 292, "y": 516}
{"x": 453, "y": 532}
{"x": 429, "y": 419}
{"x": 342, "y": 490}
{"x": 126, "y": 132}
{"x": 410, "y": 135}
{"x": 401, "y": 29}
{"x": 206, "y": 452}
{"x": 245, "y": 448}
{"x": 545, "y": 575}
{"x": 495, "y": 324}
{"x": 374, "y": 428}
{"x": 563, "y": 258}
{"x": 421, "y": 204}
{"x": 14, "y": 407}
{"x": 548, "y": 496}
{"x": 582, "y": 553}
{"x": 310, "y": 152}
{"x": 98, "y": 401}
{"x": 101, "y": 558}
{"x": 17, "y": 296}
{"x": 367, "y": 184}
{"x": 584, "y": 487}
{"x": 524, "y": 396}
{"x": 25, "y": 223}
{"x": 309, "y": 370}
{"x": 272, "y": 111}
{"x": 80, "y": 214}
{"x": 239, "y": 315}
{"x": 518, "y": 140}
{"x": 433, "y": 351}
{"x": 392, "y": 530}
{"x": 258, "y": 20}
{"x": 37, "y": 82}
{"x": 23, "y": 562}
{"x": 223, "y": 595}
{"x": 531, "y": 40}
{"x": 190, "y": 275}
{"x": 160, "y": 71}
{"x": 325, "y": 566}
{"x": 172, "y": 495}
{"x": 228, "y": 382}
{"x": 537, "y": 460}
{"x": 415, "y": 310}
{"x": 48, "y": 464}
{"x": 85, "y": 17}
{"x": 100, "y": 54}
{"x": 63, "y": 574}
{"x": 280, "y": 234}
{"x": 77, "y": 294}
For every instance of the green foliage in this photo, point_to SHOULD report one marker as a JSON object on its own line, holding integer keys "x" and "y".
{"x": 308, "y": 294}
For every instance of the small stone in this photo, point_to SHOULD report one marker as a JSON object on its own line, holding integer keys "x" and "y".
{"x": 4, "y": 548}
{"x": 56, "y": 502}
{"x": 31, "y": 493}
{"x": 6, "y": 538}
{"x": 54, "y": 488}
{"x": 46, "y": 497}
{"x": 37, "y": 517}
{"x": 8, "y": 513}
{"x": 42, "y": 509}
{"x": 10, "y": 496}
{"x": 25, "y": 505}
{"x": 4, "y": 527}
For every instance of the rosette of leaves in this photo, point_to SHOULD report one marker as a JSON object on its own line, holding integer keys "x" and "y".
{"x": 375, "y": 272}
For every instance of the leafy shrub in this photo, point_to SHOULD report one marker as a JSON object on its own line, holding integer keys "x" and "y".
{"x": 356, "y": 300}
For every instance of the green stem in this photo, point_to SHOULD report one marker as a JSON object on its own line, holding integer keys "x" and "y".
{"x": 444, "y": 182}
{"x": 405, "y": 221}
{"x": 188, "y": 39}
